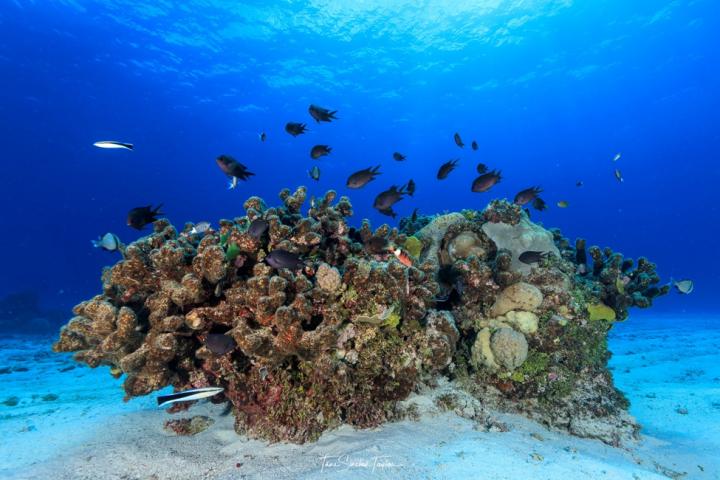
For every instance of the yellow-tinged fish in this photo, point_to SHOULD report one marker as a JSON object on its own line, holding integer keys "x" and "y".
{"x": 562, "y": 204}
{"x": 618, "y": 176}
{"x": 617, "y": 157}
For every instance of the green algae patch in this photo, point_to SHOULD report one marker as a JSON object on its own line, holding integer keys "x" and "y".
{"x": 536, "y": 364}
{"x": 232, "y": 252}
{"x": 393, "y": 318}
{"x": 413, "y": 246}
{"x": 600, "y": 311}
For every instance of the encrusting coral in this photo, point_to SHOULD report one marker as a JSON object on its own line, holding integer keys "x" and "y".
{"x": 348, "y": 331}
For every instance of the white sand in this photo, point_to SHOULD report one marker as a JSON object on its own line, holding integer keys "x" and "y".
{"x": 89, "y": 433}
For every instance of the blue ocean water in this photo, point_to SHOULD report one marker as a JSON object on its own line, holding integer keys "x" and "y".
{"x": 551, "y": 90}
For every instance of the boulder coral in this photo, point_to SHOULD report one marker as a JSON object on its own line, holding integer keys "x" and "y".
{"x": 349, "y": 331}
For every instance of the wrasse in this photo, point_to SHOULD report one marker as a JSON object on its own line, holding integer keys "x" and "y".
{"x": 188, "y": 395}
{"x": 403, "y": 257}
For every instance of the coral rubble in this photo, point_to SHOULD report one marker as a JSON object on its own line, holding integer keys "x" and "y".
{"x": 341, "y": 331}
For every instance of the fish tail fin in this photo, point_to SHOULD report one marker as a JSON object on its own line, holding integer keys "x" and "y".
{"x": 163, "y": 398}
{"x": 332, "y": 115}
{"x": 375, "y": 169}
{"x": 95, "y": 243}
{"x": 129, "y": 146}
{"x": 157, "y": 211}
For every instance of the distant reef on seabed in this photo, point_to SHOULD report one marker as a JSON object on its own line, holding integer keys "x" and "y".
{"x": 362, "y": 317}
{"x": 21, "y": 313}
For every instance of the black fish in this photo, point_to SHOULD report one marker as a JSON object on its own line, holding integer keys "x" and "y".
{"x": 531, "y": 256}
{"x": 485, "y": 182}
{"x": 219, "y": 343}
{"x": 320, "y": 151}
{"x": 295, "y": 129}
{"x": 474, "y": 145}
{"x": 385, "y": 200}
{"x": 411, "y": 187}
{"x": 399, "y": 156}
{"x": 458, "y": 140}
{"x": 539, "y": 204}
{"x": 322, "y": 114}
{"x": 233, "y": 168}
{"x": 388, "y": 212}
{"x": 526, "y": 196}
{"x": 257, "y": 228}
{"x": 579, "y": 183}
{"x": 446, "y": 168}
{"x": 377, "y": 244}
{"x": 283, "y": 259}
{"x": 362, "y": 177}
{"x": 138, "y": 217}
{"x": 262, "y": 136}
{"x": 414, "y": 216}
{"x": 481, "y": 168}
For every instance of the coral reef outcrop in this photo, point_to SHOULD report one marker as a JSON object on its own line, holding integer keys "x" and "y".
{"x": 320, "y": 324}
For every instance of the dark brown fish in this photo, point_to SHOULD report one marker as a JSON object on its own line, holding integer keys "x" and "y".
{"x": 138, "y": 217}
{"x": 481, "y": 168}
{"x": 526, "y": 196}
{"x": 474, "y": 145}
{"x": 385, "y": 200}
{"x": 295, "y": 128}
{"x": 321, "y": 114}
{"x": 486, "y": 181}
{"x": 539, "y": 204}
{"x": 388, "y": 212}
{"x": 446, "y": 168}
{"x": 531, "y": 256}
{"x": 233, "y": 168}
{"x": 411, "y": 187}
{"x": 414, "y": 216}
{"x": 219, "y": 343}
{"x": 398, "y": 156}
{"x": 257, "y": 228}
{"x": 279, "y": 258}
{"x": 320, "y": 151}
{"x": 377, "y": 244}
{"x": 458, "y": 140}
{"x": 362, "y": 177}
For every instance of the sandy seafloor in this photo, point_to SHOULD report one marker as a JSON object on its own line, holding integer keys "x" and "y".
{"x": 669, "y": 367}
